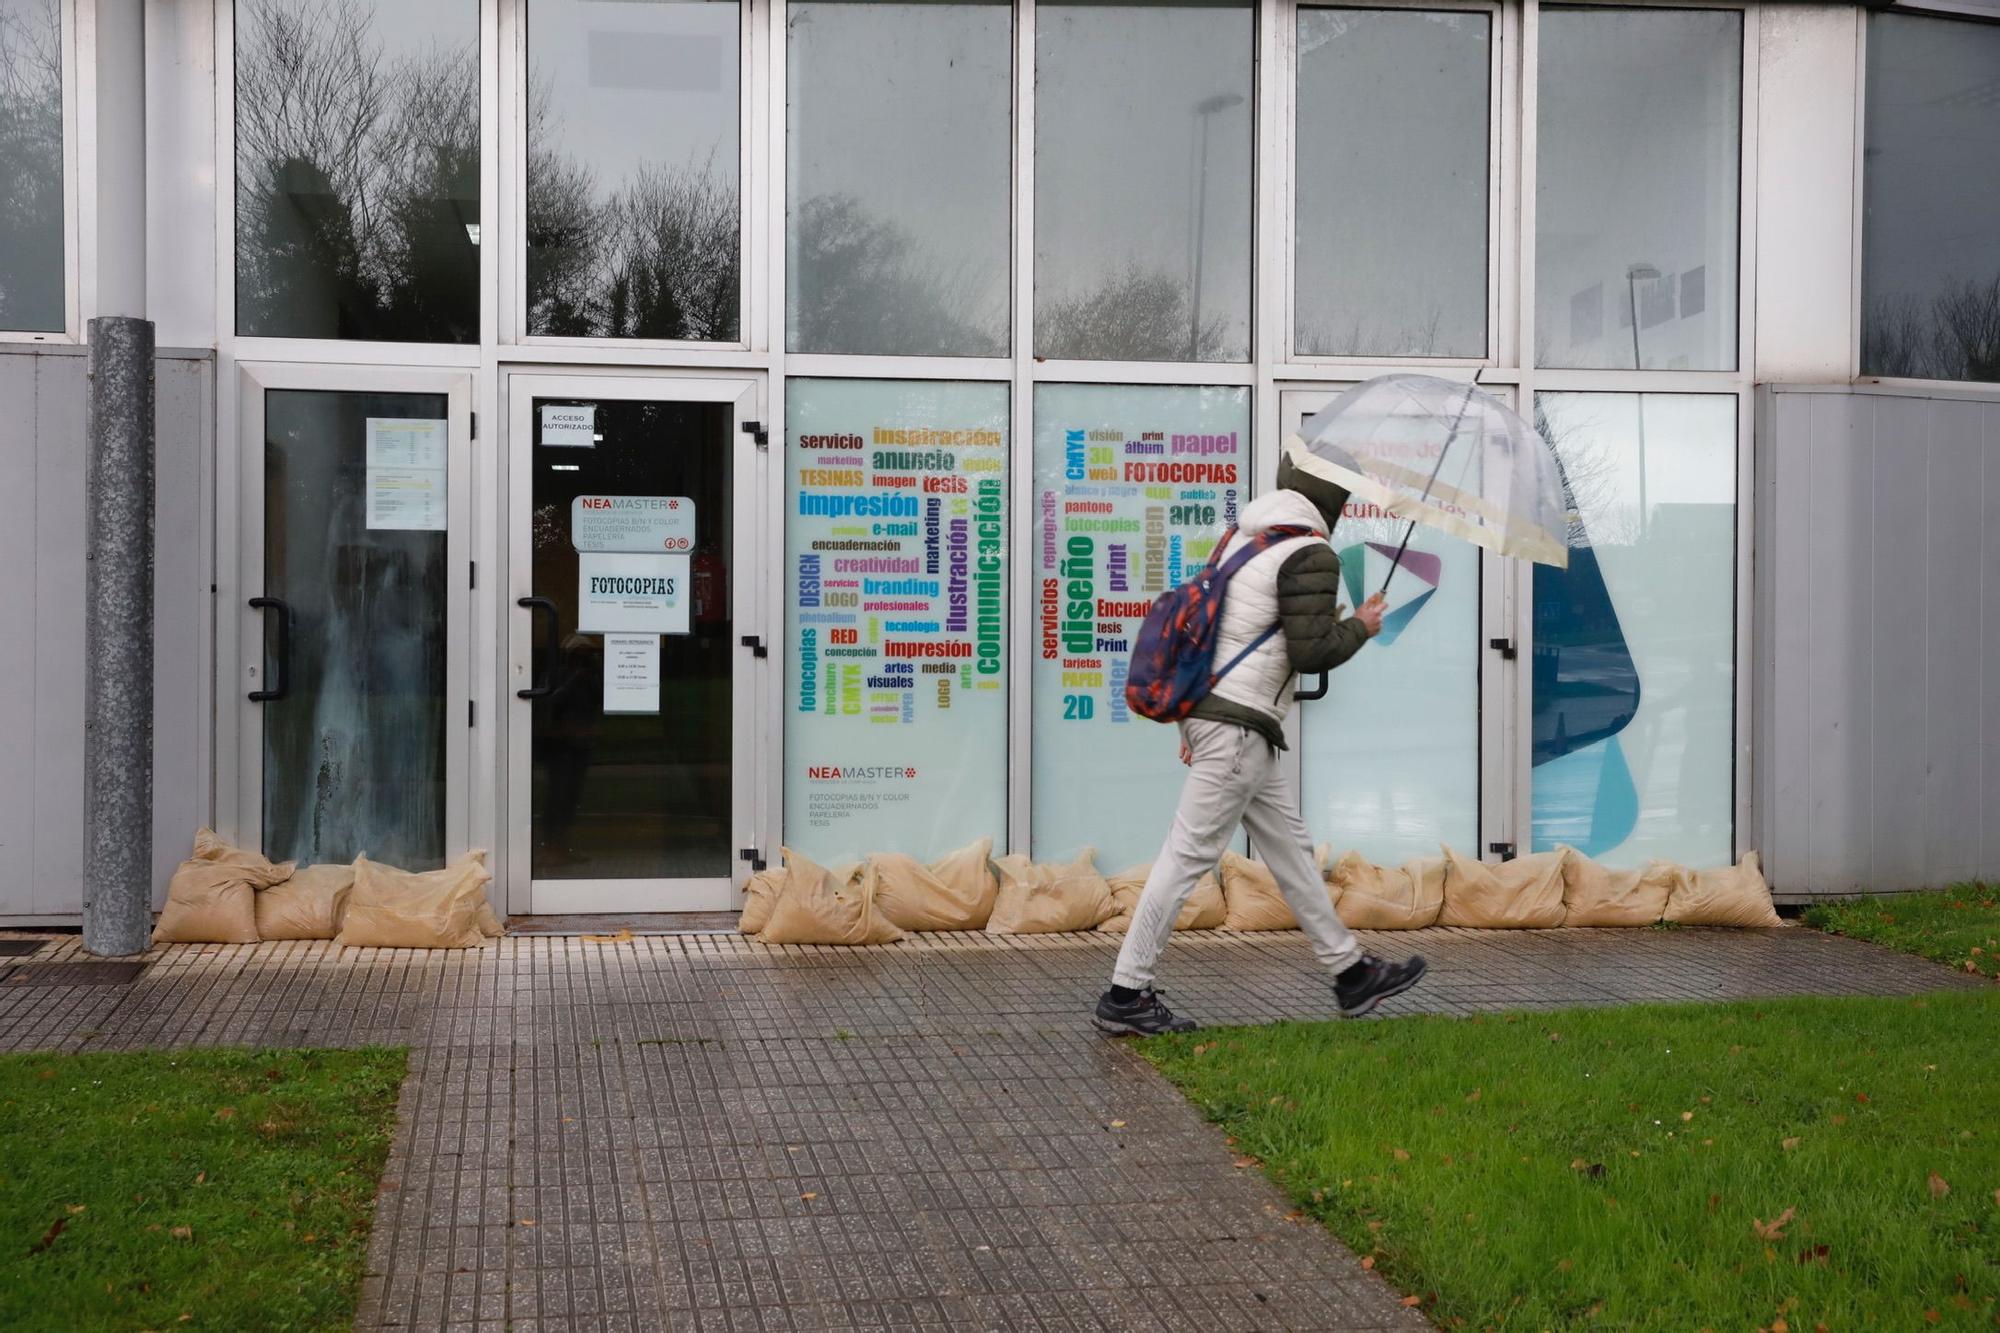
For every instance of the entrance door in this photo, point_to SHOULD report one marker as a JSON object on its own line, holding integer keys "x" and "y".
{"x": 635, "y": 508}
{"x": 345, "y": 656}
{"x": 1404, "y": 751}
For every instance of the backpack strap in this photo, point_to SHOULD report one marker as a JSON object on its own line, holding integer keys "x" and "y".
{"x": 1256, "y": 546}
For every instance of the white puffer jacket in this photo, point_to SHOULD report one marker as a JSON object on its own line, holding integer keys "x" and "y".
{"x": 1264, "y": 680}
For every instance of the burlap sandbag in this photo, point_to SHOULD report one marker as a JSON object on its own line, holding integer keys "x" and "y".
{"x": 1050, "y": 899}
{"x": 1250, "y": 896}
{"x": 760, "y": 895}
{"x": 1372, "y": 897}
{"x": 210, "y": 847}
{"x": 955, "y": 892}
{"x": 308, "y": 906}
{"x": 434, "y": 909}
{"x": 215, "y": 901}
{"x": 820, "y": 906}
{"x": 1596, "y": 896}
{"x": 1523, "y": 894}
{"x": 1203, "y": 910}
{"x": 1733, "y": 896}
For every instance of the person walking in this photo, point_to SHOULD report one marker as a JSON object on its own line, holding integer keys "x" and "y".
{"x": 1232, "y": 743}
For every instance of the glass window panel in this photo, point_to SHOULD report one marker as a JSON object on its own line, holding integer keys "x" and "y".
{"x": 1143, "y": 181}
{"x": 896, "y": 616}
{"x": 633, "y": 217}
{"x": 354, "y": 545}
{"x": 1392, "y": 150}
{"x": 1635, "y": 643}
{"x": 1133, "y": 484}
{"x": 357, "y": 170}
{"x": 32, "y": 266}
{"x": 1637, "y": 176}
{"x": 1930, "y": 259}
{"x": 899, "y": 166}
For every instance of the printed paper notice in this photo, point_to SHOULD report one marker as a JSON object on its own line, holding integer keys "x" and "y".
{"x": 631, "y": 673}
{"x": 406, "y": 473}
{"x": 569, "y": 426}
{"x": 623, "y": 593}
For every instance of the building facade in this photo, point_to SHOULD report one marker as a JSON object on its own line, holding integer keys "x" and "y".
{"x": 631, "y": 438}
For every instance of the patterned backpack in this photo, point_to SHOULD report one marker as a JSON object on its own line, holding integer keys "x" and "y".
{"x": 1171, "y": 667}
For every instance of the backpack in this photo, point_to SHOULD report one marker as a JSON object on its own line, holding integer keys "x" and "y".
{"x": 1171, "y": 668}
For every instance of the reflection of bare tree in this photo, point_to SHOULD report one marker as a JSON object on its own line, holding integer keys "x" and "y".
{"x": 31, "y": 166}
{"x": 357, "y": 191}
{"x": 1956, "y": 336}
{"x": 1135, "y": 314}
{"x": 1423, "y": 337}
{"x": 1591, "y": 478}
{"x": 859, "y": 288}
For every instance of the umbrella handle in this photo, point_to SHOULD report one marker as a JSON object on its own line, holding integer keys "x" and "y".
{"x": 1436, "y": 467}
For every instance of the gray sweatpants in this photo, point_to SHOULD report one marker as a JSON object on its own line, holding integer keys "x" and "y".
{"x": 1236, "y": 777}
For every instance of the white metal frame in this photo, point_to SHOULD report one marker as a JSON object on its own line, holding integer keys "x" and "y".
{"x": 239, "y": 629}
{"x": 754, "y": 703}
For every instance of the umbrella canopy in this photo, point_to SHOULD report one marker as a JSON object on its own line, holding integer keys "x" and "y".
{"x": 1448, "y": 455}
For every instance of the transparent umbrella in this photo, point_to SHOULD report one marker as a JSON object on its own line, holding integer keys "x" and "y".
{"x": 1448, "y": 455}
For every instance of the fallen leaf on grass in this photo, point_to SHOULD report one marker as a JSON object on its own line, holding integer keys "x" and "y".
{"x": 1472, "y": 1096}
{"x": 1861, "y": 1097}
{"x": 1789, "y": 1144}
{"x": 1775, "y": 1228}
{"x": 1400, "y": 1154}
{"x": 181, "y": 1233}
{"x": 1368, "y": 1261}
{"x": 1242, "y": 1162}
{"x": 1714, "y": 1201}
{"x": 1413, "y": 1301}
{"x": 1837, "y": 1119}
{"x": 1938, "y": 1187}
{"x": 49, "y": 1236}
{"x": 1686, "y": 1116}
{"x": 1932, "y": 1316}
{"x": 1816, "y": 1255}
{"x": 76, "y": 1208}
{"x": 226, "y": 1113}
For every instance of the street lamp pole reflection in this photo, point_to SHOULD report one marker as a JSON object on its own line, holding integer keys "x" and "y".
{"x": 1203, "y": 111}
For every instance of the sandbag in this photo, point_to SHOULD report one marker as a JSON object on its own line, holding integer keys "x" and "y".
{"x": 1372, "y": 897}
{"x": 1043, "y": 899}
{"x": 402, "y": 909}
{"x": 955, "y": 892}
{"x": 1733, "y": 896}
{"x": 760, "y": 895}
{"x": 820, "y": 906}
{"x": 1523, "y": 894}
{"x": 1251, "y": 898}
{"x": 213, "y": 901}
{"x": 210, "y": 847}
{"x": 1203, "y": 910}
{"x": 1596, "y": 896}
{"x": 307, "y": 906}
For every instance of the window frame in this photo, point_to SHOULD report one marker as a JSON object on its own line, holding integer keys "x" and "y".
{"x": 79, "y": 48}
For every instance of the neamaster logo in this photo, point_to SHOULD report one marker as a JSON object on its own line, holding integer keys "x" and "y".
{"x": 857, "y": 772}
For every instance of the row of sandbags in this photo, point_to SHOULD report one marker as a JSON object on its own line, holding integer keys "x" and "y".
{"x": 230, "y": 895}
{"x": 878, "y": 900}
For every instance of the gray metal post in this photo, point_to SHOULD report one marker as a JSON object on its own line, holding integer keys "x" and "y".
{"x": 118, "y": 639}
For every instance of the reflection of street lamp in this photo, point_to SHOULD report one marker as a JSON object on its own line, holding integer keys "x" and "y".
{"x": 1634, "y": 275}
{"x": 1203, "y": 110}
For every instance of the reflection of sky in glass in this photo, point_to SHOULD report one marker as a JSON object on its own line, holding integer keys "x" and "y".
{"x": 1689, "y": 454}
{"x": 633, "y": 82}
{"x": 1638, "y": 164}
{"x": 32, "y": 271}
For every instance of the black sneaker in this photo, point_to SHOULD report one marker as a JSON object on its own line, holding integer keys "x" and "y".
{"x": 1145, "y": 1016}
{"x": 1369, "y": 982}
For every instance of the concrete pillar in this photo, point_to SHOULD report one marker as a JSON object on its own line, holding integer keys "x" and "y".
{"x": 118, "y": 639}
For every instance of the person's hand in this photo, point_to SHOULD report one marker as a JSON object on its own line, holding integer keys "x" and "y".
{"x": 1370, "y": 613}
{"x": 1187, "y": 755}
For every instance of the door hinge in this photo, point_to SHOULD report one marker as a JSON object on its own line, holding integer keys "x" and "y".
{"x": 474, "y": 425}
{"x": 1505, "y": 849}
{"x": 472, "y": 573}
{"x": 1505, "y": 647}
{"x": 756, "y": 431}
{"x": 471, "y": 712}
{"x": 754, "y": 855}
{"x": 756, "y": 645}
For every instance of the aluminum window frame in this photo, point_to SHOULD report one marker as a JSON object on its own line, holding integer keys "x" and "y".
{"x": 79, "y": 190}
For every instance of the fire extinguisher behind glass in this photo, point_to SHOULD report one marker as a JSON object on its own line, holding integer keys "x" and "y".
{"x": 711, "y": 590}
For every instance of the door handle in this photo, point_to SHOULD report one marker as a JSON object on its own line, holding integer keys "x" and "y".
{"x": 543, "y": 684}
{"x": 1317, "y": 691}
{"x": 282, "y": 685}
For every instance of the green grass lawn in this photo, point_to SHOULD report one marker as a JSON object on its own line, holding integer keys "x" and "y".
{"x": 1959, "y": 927}
{"x": 1817, "y": 1162}
{"x": 196, "y": 1189}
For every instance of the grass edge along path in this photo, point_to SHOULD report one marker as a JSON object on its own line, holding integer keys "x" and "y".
{"x": 1781, "y": 1165}
{"x": 229, "y": 1189}
{"x": 1958, "y": 926}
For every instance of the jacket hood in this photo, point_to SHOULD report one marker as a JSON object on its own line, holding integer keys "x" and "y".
{"x": 1280, "y": 509}
{"x": 1326, "y": 496}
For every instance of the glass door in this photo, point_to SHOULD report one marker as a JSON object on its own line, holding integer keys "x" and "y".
{"x": 1391, "y": 755}
{"x": 632, "y": 681}
{"x": 348, "y": 633}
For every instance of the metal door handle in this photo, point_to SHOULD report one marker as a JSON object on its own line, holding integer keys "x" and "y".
{"x": 545, "y": 684}
{"x": 281, "y": 686}
{"x": 1317, "y": 691}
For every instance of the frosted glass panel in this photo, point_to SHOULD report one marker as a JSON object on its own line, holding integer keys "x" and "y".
{"x": 32, "y": 267}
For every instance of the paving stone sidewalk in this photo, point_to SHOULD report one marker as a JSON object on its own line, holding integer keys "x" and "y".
{"x": 701, "y": 1132}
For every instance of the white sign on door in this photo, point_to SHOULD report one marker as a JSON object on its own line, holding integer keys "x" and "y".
{"x": 569, "y": 425}
{"x": 629, "y": 593}
{"x": 631, "y": 673}
{"x": 406, "y": 474}
{"x": 631, "y": 523}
